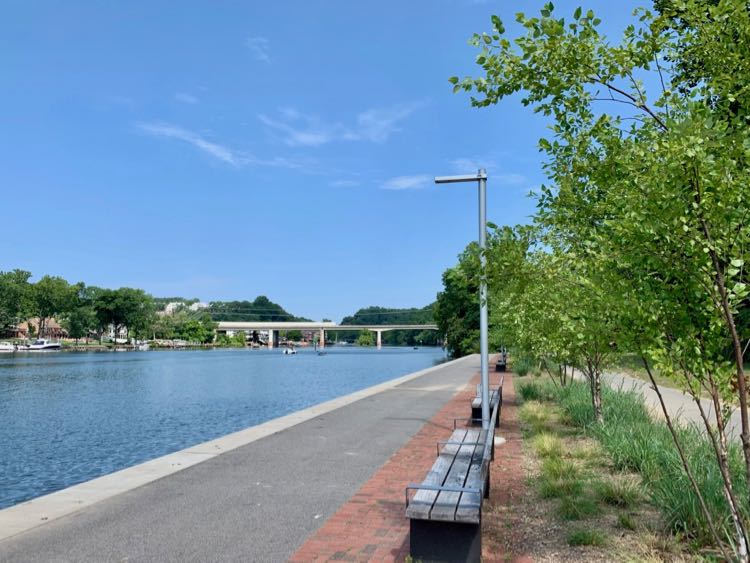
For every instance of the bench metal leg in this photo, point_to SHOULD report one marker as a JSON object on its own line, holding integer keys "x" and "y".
{"x": 476, "y": 415}
{"x": 432, "y": 540}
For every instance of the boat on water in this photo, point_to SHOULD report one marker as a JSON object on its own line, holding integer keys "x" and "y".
{"x": 7, "y": 347}
{"x": 290, "y": 350}
{"x": 41, "y": 345}
{"x": 143, "y": 347}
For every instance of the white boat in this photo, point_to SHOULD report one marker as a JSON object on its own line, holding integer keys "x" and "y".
{"x": 7, "y": 347}
{"x": 290, "y": 351}
{"x": 143, "y": 346}
{"x": 42, "y": 344}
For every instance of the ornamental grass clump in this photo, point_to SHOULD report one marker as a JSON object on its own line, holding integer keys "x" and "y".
{"x": 547, "y": 445}
{"x": 635, "y": 442}
{"x": 587, "y": 537}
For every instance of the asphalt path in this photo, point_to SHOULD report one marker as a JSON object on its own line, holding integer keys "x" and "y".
{"x": 680, "y": 405}
{"x": 256, "y": 503}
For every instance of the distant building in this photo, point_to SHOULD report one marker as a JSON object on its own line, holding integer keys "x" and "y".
{"x": 52, "y": 329}
{"x": 174, "y": 306}
{"x": 171, "y": 308}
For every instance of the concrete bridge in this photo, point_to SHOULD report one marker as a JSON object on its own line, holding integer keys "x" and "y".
{"x": 272, "y": 328}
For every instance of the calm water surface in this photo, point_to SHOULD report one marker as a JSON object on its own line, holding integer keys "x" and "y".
{"x": 69, "y": 417}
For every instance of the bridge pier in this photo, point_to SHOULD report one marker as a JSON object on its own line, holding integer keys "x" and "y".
{"x": 270, "y": 339}
{"x": 380, "y": 338}
{"x": 322, "y": 343}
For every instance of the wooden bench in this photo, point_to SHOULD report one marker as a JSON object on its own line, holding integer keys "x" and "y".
{"x": 445, "y": 513}
{"x": 496, "y": 398}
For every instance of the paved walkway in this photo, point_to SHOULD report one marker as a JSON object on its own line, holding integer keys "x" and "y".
{"x": 259, "y": 502}
{"x": 678, "y": 403}
{"x": 372, "y": 525}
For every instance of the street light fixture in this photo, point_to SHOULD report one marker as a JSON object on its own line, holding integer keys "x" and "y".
{"x": 481, "y": 178}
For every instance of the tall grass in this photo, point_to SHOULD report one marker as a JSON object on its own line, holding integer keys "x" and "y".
{"x": 523, "y": 365}
{"x": 636, "y": 442}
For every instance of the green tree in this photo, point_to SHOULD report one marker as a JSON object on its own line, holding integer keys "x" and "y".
{"x": 457, "y": 307}
{"x": 15, "y": 295}
{"x": 51, "y": 296}
{"x": 383, "y": 315}
{"x": 366, "y": 338}
{"x": 128, "y": 308}
{"x": 81, "y": 319}
{"x": 649, "y": 190}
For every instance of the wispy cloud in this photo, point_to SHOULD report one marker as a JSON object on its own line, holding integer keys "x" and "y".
{"x": 220, "y": 152}
{"x": 185, "y": 98}
{"x": 302, "y": 130}
{"x": 345, "y": 183}
{"x": 407, "y": 182}
{"x": 259, "y": 47}
{"x": 295, "y": 128}
{"x": 469, "y": 165}
{"x": 510, "y": 179}
{"x": 379, "y": 124}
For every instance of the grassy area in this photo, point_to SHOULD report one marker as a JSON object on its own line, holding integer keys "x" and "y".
{"x": 645, "y": 466}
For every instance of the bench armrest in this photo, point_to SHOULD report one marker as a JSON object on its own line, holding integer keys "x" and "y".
{"x": 465, "y": 420}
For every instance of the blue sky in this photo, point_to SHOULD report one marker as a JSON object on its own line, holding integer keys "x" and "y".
{"x": 226, "y": 150}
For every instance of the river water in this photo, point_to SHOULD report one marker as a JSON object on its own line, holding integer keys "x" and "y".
{"x": 66, "y": 418}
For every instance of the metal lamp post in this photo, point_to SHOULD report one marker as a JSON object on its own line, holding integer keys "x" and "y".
{"x": 481, "y": 179}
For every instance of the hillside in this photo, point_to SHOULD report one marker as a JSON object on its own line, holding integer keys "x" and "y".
{"x": 384, "y": 316}
{"x": 259, "y": 310}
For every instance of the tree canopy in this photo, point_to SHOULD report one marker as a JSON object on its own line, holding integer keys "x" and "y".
{"x": 642, "y": 233}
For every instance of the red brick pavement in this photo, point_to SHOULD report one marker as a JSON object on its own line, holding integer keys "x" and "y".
{"x": 372, "y": 525}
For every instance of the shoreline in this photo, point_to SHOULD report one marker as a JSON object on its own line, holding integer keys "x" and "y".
{"x": 131, "y": 348}
{"x": 31, "y": 514}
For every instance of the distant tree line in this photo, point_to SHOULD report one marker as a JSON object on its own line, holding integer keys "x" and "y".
{"x": 389, "y": 316}
{"x": 262, "y": 309}
{"x": 85, "y": 311}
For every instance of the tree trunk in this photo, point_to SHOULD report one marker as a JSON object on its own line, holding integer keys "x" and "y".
{"x": 595, "y": 382}
{"x": 693, "y": 483}
{"x": 598, "y": 395}
{"x": 720, "y": 450}
{"x": 729, "y": 319}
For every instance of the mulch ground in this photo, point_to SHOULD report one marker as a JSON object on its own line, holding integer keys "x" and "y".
{"x": 372, "y": 525}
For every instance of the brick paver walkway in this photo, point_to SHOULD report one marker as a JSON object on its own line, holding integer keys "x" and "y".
{"x": 372, "y": 525}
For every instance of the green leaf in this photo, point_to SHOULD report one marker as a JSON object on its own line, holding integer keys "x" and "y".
{"x": 498, "y": 24}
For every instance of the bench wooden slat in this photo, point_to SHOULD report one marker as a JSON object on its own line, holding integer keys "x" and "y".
{"x": 470, "y": 505}
{"x": 446, "y": 502}
{"x": 476, "y": 402}
{"x": 423, "y": 500}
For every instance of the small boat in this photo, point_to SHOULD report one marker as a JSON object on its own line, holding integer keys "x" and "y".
{"x": 7, "y": 347}
{"x": 42, "y": 344}
{"x": 322, "y": 353}
{"x": 143, "y": 347}
{"x": 290, "y": 350}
